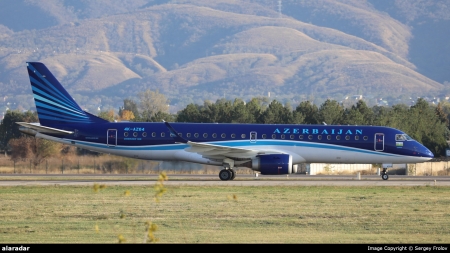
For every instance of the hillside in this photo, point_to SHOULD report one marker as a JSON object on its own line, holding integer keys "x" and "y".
{"x": 191, "y": 51}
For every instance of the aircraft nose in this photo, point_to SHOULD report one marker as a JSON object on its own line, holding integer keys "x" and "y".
{"x": 426, "y": 152}
{"x": 430, "y": 154}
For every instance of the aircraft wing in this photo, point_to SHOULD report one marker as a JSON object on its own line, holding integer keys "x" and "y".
{"x": 214, "y": 151}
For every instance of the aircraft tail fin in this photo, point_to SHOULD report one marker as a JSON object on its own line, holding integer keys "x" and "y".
{"x": 53, "y": 104}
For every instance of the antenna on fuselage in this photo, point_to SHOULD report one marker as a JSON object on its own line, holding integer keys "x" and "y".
{"x": 324, "y": 123}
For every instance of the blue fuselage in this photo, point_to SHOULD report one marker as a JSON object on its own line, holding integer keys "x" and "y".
{"x": 307, "y": 143}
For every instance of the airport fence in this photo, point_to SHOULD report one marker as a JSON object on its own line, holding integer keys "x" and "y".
{"x": 108, "y": 164}
{"x": 105, "y": 164}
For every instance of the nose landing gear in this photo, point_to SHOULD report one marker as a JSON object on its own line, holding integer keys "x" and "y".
{"x": 384, "y": 174}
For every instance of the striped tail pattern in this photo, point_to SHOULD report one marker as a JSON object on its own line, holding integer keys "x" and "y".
{"x": 53, "y": 104}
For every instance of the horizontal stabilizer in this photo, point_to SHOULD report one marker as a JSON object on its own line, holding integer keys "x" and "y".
{"x": 43, "y": 129}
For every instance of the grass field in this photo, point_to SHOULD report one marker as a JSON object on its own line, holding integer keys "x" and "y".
{"x": 226, "y": 214}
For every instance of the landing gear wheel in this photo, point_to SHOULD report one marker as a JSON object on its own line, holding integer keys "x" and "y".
{"x": 233, "y": 173}
{"x": 225, "y": 175}
{"x": 384, "y": 174}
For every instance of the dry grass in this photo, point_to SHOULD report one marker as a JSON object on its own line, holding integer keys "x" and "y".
{"x": 104, "y": 164}
{"x": 226, "y": 214}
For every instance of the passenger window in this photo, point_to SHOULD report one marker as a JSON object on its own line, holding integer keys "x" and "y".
{"x": 205, "y": 135}
{"x": 319, "y": 137}
{"x": 180, "y": 134}
{"x": 214, "y": 135}
{"x": 196, "y": 135}
{"x": 223, "y": 135}
{"x": 188, "y": 135}
{"x": 274, "y": 136}
{"x": 264, "y": 136}
{"x": 135, "y": 134}
{"x": 338, "y": 137}
{"x": 356, "y": 137}
{"x": 282, "y": 136}
{"x": 347, "y": 137}
{"x": 163, "y": 134}
{"x": 300, "y": 137}
{"x": 125, "y": 134}
{"x": 233, "y": 136}
{"x": 144, "y": 134}
{"x": 310, "y": 137}
{"x": 328, "y": 137}
{"x": 292, "y": 136}
{"x": 366, "y": 138}
{"x": 153, "y": 134}
{"x": 243, "y": 136}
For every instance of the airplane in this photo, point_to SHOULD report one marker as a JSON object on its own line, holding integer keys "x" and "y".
{"x": 268, "y": 149}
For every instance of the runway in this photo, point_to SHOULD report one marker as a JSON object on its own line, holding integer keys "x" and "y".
{"x": 213, "y": 180}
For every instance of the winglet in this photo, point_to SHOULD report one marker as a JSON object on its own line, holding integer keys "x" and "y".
{"x": 174, "y": 134}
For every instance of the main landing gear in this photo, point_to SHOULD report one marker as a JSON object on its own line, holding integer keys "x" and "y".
{"x": 227, "y": 174}
{"x": 384, "y": 174}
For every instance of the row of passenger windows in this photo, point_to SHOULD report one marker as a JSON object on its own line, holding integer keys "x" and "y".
{"x": 263, "y": 136}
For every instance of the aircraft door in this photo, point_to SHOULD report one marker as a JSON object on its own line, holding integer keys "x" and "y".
{"x": 111, "y": 139}
{"x": 253, "y": 137}
{"x": 379, "y": 142}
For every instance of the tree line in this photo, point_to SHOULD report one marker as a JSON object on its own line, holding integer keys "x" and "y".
{"x": 425, "y": 122}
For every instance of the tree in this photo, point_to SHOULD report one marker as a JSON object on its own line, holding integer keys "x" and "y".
{"x": 35, "y": 149}
{"x": 224, "y": 110}
{"x": 152, "y": 102}
{"x": 441, "y": 114}
{"x": 426, "y": 127}
{"x": 107, "y": 115}
{"x": 240, "y": 113}
{"x": 309, "y": 112}
{"x": 359, "y": 114}
{"x": 219, "y": 112}
{"x": 126, "y": 115}
{"x": 130, "y": 106}
{"x": 189, "y": 114}
{"x": 254, "y": 110}
{"x": 330, "y": 112}
{"x": 276, "y": 113}
{"x": 381, "y": 115}
{"x": 10, "y": 130}
{"x": 160, "y": 116}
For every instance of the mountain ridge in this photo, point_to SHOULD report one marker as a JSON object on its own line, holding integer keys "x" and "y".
{"x": 192, "y": 51}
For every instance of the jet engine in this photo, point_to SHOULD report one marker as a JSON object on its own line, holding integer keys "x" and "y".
{"x": 273, "y": 164}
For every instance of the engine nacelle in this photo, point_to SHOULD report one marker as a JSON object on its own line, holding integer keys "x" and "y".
{"x": 274, "y": 164}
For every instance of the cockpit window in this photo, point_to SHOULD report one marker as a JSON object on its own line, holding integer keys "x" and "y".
{"x": 402, "y": 137}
